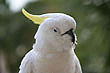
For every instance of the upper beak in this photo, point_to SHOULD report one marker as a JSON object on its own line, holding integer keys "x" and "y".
{"x": 71, "y": 33}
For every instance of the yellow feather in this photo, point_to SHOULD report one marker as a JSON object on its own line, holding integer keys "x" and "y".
{"x": 35, "y": 18}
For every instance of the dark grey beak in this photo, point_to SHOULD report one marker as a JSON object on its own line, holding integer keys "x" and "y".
{"x": 71, "y": 33}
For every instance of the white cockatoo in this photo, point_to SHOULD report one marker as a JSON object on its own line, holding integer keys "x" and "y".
{"x": 53, "y": 51}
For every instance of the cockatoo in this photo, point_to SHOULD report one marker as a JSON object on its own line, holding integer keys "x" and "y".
{"x": 53, "y": 50}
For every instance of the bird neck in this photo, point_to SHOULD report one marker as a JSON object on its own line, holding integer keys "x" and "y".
{"x": 48, "y": 48}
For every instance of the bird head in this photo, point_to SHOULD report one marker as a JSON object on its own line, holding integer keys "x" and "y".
{"x": 56, "y": 30}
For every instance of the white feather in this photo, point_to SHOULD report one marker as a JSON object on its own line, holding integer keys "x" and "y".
{"x": 52, "y": 53}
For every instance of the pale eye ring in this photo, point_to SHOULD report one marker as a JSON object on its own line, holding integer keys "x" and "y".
{"x": 56, "y": 29}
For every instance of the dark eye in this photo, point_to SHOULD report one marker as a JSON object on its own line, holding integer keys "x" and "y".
{"x": 55, "y": 30}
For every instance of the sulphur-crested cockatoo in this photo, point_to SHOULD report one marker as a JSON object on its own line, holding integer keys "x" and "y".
{"x": 53, "y": 51}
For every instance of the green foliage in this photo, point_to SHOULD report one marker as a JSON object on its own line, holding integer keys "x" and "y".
{"x": 92, "y": 16}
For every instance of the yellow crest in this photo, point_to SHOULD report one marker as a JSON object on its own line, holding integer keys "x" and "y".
{"x": 35, "y": 18}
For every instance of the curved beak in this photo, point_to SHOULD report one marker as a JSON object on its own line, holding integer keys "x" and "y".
{"x": 35, "y": 18}
{"x": 71, "y": 33}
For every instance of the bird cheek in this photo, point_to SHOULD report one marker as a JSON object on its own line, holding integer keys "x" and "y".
{"x": 66, "y": 37}
{"x": 67, "y": 40}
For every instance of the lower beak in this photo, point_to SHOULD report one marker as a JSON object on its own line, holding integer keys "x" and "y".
{"x": 71, "y": 33}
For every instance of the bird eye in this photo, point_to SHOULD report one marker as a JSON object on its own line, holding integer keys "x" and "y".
{"x": 55, "y": 30}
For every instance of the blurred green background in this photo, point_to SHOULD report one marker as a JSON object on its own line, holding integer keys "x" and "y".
{"x": 93, "y": 27}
